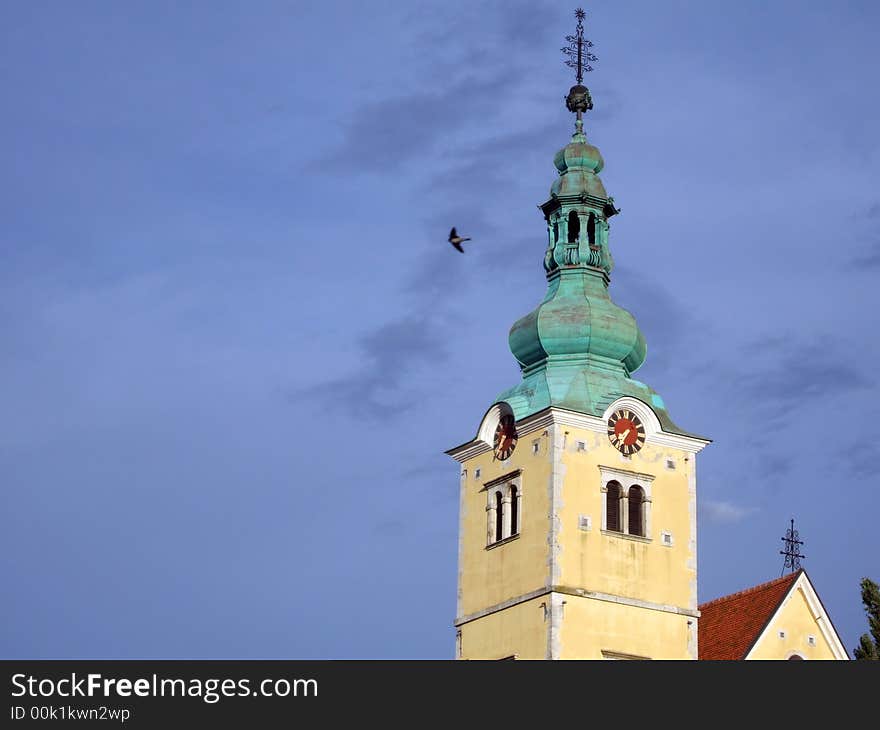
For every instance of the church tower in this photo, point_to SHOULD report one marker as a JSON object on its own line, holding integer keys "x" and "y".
{"x": 578, "y": 523}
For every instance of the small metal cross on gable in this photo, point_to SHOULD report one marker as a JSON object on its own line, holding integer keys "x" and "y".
{"x": 578, "y": 49}
{"x": 792, "y": 545}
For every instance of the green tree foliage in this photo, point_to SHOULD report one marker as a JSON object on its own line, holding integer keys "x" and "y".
{"x": 869, "y": 645}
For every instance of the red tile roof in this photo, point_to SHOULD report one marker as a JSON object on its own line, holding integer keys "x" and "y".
{"x": 729, "y": 626}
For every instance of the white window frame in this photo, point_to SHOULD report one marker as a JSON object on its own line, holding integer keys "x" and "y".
{"x": 502, "y": 486}
{"x": 626, "y": 480}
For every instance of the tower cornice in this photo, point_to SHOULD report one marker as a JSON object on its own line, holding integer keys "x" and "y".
{"x": 603, "y": 204}
{"x": 560, "y": 416}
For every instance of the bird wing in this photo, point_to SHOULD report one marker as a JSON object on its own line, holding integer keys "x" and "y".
{"x": 452, "y": 234}
{"x": 457, "y": 245}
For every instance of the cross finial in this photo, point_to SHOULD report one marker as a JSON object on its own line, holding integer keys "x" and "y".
{"x": 578, "y": 48}
{"x": 792, "y": 545}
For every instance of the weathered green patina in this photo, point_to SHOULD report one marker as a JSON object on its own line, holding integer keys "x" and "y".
{"x": 578, "y": 349}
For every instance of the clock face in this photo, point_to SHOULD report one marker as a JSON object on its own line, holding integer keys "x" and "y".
{"x": 505, "y": 438}
{"x": 626, "y": 432}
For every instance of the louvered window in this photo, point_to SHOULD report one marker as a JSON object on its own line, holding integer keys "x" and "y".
{"x": 514, "y": 527}
{"x": 636, "y": 499}
{"x": 612, "y": 508}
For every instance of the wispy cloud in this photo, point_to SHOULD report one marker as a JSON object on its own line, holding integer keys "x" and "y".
{"x": 771, "y": 463}
{"x": 796, "y": 373}
{"x": 662, "y": 317}
{"x": 726, "y": 512}
{"x": 441, "y": 278}
{"x": 486, "y": 170}
{"x": 781, "y": 380}
{"x": 518, "y": 28}
{"x": 869, "y": 258}
{"x": 378, "y": 390}
{"x": 477, "y": 72}
{"x": 861, "y": 462}
{"x": 384, "y": 135}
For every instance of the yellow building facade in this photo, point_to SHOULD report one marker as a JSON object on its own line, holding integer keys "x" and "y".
{"x": 781, "y": 619}
{"x": 796, "y": 631}
{"x": 549, "y": 577}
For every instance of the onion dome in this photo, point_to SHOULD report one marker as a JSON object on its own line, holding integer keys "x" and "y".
{"x": 577, "y": 320}
{"x": 578, "y": 163}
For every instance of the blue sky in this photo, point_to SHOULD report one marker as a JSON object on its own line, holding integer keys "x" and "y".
{"x": 236, "y": 343}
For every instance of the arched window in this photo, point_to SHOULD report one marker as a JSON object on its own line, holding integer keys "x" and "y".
{"x": 504, "y": 509}
{"x": 626, "y": 505}
{"x": 591, "y": 229}
{"x": 636, "y": 521}
{"x": 574, "y": 227}
{"x": 514, "y": 527}
{"x": 612, "y": 508}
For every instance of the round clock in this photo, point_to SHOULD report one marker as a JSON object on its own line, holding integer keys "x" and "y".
{"x": 626, "y": 432}
{"x": 505, "y": 437}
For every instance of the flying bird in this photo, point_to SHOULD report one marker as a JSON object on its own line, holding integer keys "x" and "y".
{"x": 457, "y": 240}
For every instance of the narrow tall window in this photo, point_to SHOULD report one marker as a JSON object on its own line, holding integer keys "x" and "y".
{"x": 636, "y": 500}
{"x": 499, "y": 517}
{"x": 612, "y": 507}
{"x": 591, "y": 229}
{"x": 574, "y": 227}
{"x": 514, "y": 516}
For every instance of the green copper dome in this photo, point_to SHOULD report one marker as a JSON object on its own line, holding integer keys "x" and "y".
{"x": 577, "y": 349}
{"x": 578, "y": 318}
{"x": 578, "y": 163}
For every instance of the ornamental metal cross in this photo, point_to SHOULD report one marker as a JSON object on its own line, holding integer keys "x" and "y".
{"x": 578, "y": 49}
{"x": 792, "y": 556}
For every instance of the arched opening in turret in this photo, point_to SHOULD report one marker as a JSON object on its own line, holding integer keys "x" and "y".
{"x": 499, "y": 517}
{"x": 556, "y": 231}
{"x": 574, "y": 227}
{"x": 591, "y": 229}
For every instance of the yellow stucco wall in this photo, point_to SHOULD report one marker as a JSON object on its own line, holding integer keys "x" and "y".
{"x": 488, "y": 577}
{"x": 519, "y": 630}
{"x": 608, "y": 562}
{"x": 796, "y": 619}
{"x": 589, "y": 627}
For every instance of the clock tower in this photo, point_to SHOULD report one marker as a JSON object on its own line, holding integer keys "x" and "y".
{"x": 578, "y": 524}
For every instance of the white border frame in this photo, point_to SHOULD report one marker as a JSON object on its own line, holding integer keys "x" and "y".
{"x": 626, "y": 480}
